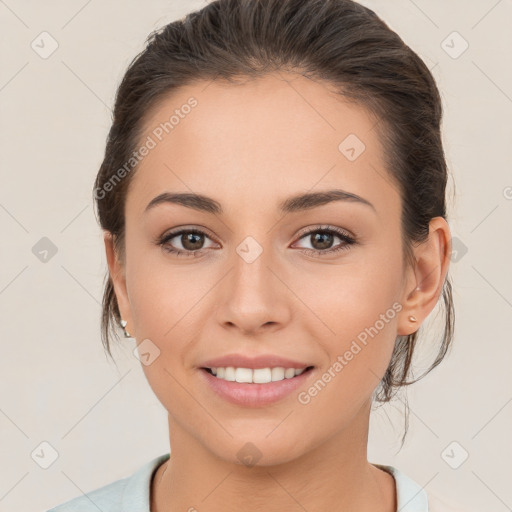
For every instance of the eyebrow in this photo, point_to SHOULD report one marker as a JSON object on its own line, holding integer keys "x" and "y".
{"x": 293, "y": 204}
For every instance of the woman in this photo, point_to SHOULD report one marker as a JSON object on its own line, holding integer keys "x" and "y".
{"x": 273, "y": 202}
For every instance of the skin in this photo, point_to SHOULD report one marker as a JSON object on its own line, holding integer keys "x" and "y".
{"x": 250, "y": 147}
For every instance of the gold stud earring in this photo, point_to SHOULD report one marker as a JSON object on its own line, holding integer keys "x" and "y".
{"x": 412, "y": 318}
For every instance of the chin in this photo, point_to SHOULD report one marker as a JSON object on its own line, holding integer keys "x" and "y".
{"x": 259, "y": 450}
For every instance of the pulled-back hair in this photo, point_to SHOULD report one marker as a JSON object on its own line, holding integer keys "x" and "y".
{"x": 338, "y": 41}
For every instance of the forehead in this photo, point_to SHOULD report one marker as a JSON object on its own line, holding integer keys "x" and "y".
{"x": 282, "y": 131}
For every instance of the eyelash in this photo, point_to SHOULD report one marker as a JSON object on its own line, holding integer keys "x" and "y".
{"x": 348, "y": 241}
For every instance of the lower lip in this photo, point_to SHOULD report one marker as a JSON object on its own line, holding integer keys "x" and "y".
{"x": 254, "y": 395}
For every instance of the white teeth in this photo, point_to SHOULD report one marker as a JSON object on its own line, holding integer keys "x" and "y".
{"x": 277, "y": 373}
{"x": 256, "y": 376}
{"x": 289, "y": 373}
{"x": 229, "y": 374}
{"x": 243, "y": 375}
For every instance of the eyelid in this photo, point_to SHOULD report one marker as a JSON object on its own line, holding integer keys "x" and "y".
{"x": 326, "y": 227}
{"x": 186, "y": 228}
{"x": 346, "y": 238}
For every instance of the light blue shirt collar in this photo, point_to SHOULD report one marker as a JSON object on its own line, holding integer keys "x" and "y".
{"x": 132, "y": 494}
{"x": 411, "y": 497}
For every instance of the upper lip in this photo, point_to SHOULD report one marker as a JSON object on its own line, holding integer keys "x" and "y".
{"x": 260, "y": 361}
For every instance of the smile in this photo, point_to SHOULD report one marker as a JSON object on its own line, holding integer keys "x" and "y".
{"x": 254, "y": 387}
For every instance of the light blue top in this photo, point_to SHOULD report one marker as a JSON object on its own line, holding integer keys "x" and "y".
{"x": 131, "y": 494}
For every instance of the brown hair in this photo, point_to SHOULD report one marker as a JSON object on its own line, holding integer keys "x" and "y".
{"x": 338, "y": 41}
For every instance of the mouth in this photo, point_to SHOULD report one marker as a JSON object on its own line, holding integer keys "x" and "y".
{"x": 255, "y": 387}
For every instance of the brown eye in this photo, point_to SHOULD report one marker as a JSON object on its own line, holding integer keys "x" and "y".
{"x": 192, "y": 241}
{"x": 185, "y": 242}
{"x": 322, "y": 241}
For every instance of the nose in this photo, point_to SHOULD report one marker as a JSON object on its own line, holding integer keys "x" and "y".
{"x": 253, "y": 297}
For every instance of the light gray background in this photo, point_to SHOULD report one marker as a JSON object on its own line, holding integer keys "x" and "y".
{"x": 104, "y": 422}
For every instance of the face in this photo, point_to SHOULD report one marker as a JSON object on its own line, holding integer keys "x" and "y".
{"x": 250, "y": 272}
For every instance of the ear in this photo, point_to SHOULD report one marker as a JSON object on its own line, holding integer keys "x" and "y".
{"x": 117, "y": 275}
{"x": 424, "y": 283}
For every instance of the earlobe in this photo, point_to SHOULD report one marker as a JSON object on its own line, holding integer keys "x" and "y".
{"x": 117, "y": 275}
{"x": 432, "y": 259}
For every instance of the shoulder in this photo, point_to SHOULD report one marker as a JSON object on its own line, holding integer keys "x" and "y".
{"x": 130, "y": 494}
{"x": 106, "y": 498}
{"x": 412, "y": 497}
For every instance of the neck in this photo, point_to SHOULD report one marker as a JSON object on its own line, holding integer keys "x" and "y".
{"x": 334, "y": 475}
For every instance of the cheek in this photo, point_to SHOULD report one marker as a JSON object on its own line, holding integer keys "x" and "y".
{"x": 358, "y": 344}
{"x": 345, "y": 299}
{"x": 352, "y": 313}
{"x": 163, "y": 297}
{"x": 165, "y": 304}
